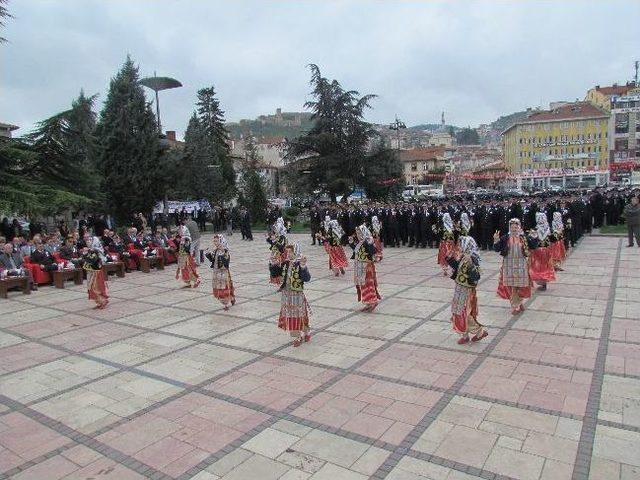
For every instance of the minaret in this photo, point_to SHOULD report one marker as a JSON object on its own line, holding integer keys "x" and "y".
{"x": 442, "y": 122}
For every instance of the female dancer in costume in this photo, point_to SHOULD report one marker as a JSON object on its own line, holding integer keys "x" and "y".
{"x": 541, "y": 265}
{"x": 558, "y": 250}
{"x": 364, "y": 271}
{"x": 376, "y": 227}
{"x": 447, "y": 246}
{"x": 464, "y": 306}
{"x": 277, "y": 240}
{"x": 96, "y": 279}
{"x": 187, "y": 269}
{"x": 294, "y": 308}
{"x": 337, "y": 258}
{"x": 514, "y": 283}
{"x": 221, "y": 279}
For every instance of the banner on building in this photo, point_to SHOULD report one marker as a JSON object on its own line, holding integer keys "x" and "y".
{"x": 178, "y": 206}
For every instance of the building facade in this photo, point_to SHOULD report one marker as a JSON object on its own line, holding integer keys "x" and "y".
{"x": 271, "y": 156}
{"x": 6, "y": 129}
{"x": 419, "y": 163}
{"x": 601, "y": 96}
{"x": 570, "y": 137}
{"x": 624, "y": 129}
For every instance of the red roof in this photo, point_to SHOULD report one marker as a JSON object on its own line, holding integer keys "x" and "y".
{"x": 571, "y": 111}
{"x": 426, "y": 153}
{"x": 270, "y": 140}
{"x": 615, "y": 89}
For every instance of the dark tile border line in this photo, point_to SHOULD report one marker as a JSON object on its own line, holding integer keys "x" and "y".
{"x": 619, "y": 426}
{"x": 582, "y": 465}
{"x": 86, "y": 440}
{"x": 443, "y": 462}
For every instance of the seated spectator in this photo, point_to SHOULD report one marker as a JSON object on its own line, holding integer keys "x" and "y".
{"x": 43, "y": 258}
{"x": 53, "y": 243}
{"x": 70, "y": 253}
{"x": 12, "y": 262}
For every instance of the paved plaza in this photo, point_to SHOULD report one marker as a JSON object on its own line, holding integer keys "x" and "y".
{"x": 164, "y": 384}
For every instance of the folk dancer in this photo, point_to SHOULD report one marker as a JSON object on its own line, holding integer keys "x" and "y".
{"x": 541, "y": 262}
{"x": 514, "y": 283}
{"x": 294, "y": 308}
{"x": 465, "y": 224}
{"x": 221, "y": 276}
{"x": 96, "y": 280}
{"x": 187, "y": 269}
{"x": 464, "y": 307}
{"x": 364, "y": 271}
{"x": 376, "y": 227}
{"x": 277, "y": 240}
{"x": 447, "y": 246}
{"x": 337, "y": 258}
{"x": 558, "y": 250}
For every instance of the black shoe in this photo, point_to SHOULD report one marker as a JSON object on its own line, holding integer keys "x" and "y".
{"x": 542, "y": 288}
{"x": 630, "y": 246}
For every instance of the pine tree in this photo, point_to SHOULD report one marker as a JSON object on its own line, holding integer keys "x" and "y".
{"x": 65, "y": 144}
{"x": 127, "y": 147}
{"x": 4, "y": 14}
{"x": 211, "y": 118}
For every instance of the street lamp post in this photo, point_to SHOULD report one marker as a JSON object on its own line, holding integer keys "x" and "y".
{"x": 397, "y": 126}
{"x": 156, "y": 84}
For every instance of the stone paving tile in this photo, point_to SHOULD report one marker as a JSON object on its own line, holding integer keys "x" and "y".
{"x": 552, "y": 388}
{"x": 51, "y": 378}
{"x": 503, "y": 440}
{"x": 141, "y": 348}
{"x": 370, "y": 391}
{"x": 620, "y": 400}
{"x": 33, "y": 314}
{"x": 197, "y": 364}
{"x": 332, "y": 349}
{"x": 422, "y": 365}
{"x": 615, "y": 454}
{"x": 105, "y": 401}
{"x": 378, "y": 325}
{"x": 53, "y": 326}
{"x": 93, "y": 336}
{"x": 182, "y": 433}
{"x": 25, "y": 355}
{"x": 23, "y": 439}
{"x": 623, "y": 359}
{"x": 560, "y": 350}
{"x": 373, "y": 408}
{"x": 272, "y": 383}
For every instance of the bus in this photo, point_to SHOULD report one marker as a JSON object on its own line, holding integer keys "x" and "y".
{"x": 430, "y": 190}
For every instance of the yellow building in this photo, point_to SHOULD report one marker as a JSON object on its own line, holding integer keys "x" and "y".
{"x": 572, "y": 136}
{"x": 601, "y": 96}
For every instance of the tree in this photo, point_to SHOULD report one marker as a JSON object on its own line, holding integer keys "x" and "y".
{"x": 334, "y": 155}
{"x": 65, "y": 144}
{"x": 21, "y": 191}
{"x": 252, "y": 191}
{"x": 4, "y": 14}
{"x": 383, "y": 173}
{"x": 467, "y": 136}
{"x": 211, "y": 119}
{"x": 127, "y": 147}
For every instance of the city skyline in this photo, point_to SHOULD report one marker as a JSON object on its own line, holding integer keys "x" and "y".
{"x": 475, "y": 61}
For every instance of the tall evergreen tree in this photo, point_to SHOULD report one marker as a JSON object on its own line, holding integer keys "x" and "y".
{"x": 65, "y": 145}
{"x": 383, "y": 177}
{"x": 335, "y": 154}
{"x": 4, "y": 14}
{"x": 127, "y": 147}
{"x": 211, "y": 118}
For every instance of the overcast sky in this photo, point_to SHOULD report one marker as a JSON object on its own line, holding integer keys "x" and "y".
{"x": 474, "y": 60}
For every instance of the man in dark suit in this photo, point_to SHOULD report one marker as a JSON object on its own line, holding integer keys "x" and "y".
{"x": 245, "y": 224}
{"x": 12, "y": 262}
{"x": 43, "y": 258}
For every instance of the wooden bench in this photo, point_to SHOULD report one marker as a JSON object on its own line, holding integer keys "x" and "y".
{"x": 147, "y": 263}
{"x": 10, "y": 282}
{"x": 60, "y": 276}
{"x": 113, "y": 267}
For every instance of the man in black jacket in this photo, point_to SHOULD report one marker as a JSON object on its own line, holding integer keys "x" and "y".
{"x": 43, "y": 258}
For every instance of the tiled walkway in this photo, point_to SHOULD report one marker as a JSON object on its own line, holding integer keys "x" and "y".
{"x": 166, "y": 385}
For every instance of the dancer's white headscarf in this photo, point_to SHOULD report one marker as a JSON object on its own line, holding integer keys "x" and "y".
{"x": 365, "y": 233}
{"x": 280, "y": 228}
{"x": 297, "y": 252}
{"x": 542, "y": 226}
{"x": 224, "y": 244}
{"x": 557, "y": 225}
{"x": 447, "y": 222}
{"x": 336, "y": 228}
{"x": 468, "y": 246}
{"x": 183, "y": 231}
{"x": 327, "y": 222}
{"x": 375, "y": 224}
{"x": 464, "y": 220}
